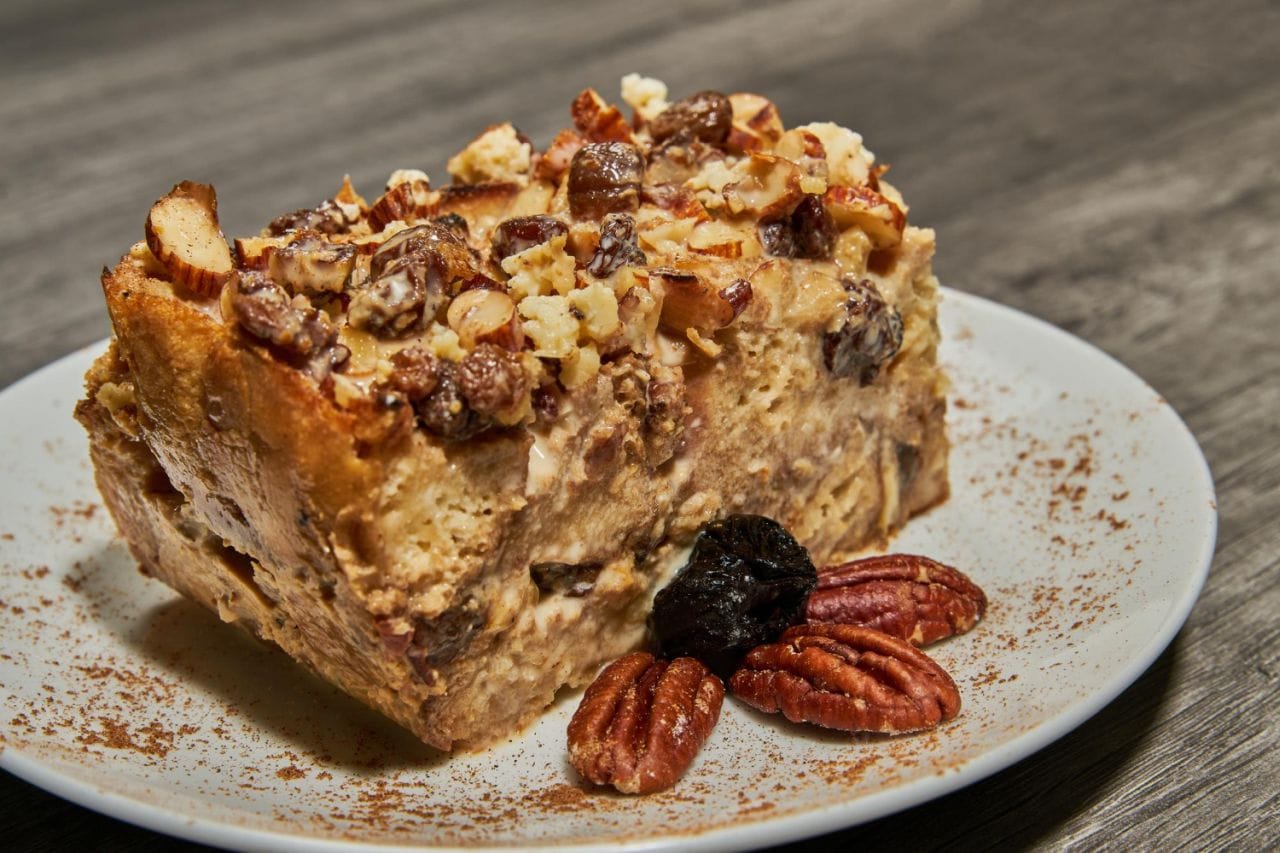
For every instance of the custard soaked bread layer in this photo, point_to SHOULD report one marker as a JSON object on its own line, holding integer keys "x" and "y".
{"x": 444, "y": 446}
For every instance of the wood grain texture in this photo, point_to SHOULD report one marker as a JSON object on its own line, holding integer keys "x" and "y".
{"x": 1111, "y": 168}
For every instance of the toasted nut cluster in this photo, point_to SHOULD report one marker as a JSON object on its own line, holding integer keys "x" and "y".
{"x": 907, "y": 596}
{"x": 646, "y": 235}
{"x": 642, "y": 722}
{"x": 847, "y": 677}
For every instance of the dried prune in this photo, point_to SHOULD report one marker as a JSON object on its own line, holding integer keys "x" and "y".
{"x": 513, "y": 236}
{"x": 312, "y": 265}
{"x": 605, "y": 177}
{"x": 870, "y": 336}
{"x": 705, "y": 116}
{"x": 746, "y": 581}
{"x": 617, "y": 247}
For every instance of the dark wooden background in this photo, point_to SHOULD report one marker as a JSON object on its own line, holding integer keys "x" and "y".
{"x": 1111, "y": 168}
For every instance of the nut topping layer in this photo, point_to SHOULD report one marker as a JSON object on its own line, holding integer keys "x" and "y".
{"x": 847, "y": 677}
{"x": 667, "y": 235}
{"x": 642, "y": 722}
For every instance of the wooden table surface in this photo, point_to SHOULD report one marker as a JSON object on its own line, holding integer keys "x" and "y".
{"x": 1111, "y": 168}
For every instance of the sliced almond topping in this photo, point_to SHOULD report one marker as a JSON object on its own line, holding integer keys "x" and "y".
{"x": 182, "y": 232}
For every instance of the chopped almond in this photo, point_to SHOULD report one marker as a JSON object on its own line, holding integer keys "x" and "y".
{"x": 183, "y": 234}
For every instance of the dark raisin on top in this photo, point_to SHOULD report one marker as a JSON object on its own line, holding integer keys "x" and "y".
{"x": 869, "y": 337}
{"x": 414, "y": 372}
{"x": 605, "y": 177}
{"x": 311, "y": 264}
{"x": 492, "y": 380}
{"x": 617, "y": 246}
{"x": 327, "y": 217}
{"x": 515, "y": 235}
{"x": 705, "y": 116}
{"x": 291, "y": 326}
{"x": 746, "y": 581}
{"x": 444, "y": 411}
{"x": 808, "y": 232}
{"x": 411, "y": 278}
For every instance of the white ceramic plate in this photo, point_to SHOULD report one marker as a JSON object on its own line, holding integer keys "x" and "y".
{"x": 1080, "y": 503}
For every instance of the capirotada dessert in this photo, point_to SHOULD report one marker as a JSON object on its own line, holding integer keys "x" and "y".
{"x": 445, "y": 446}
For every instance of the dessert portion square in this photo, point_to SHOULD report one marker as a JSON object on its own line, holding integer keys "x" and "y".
{"x": 444, "y": 447}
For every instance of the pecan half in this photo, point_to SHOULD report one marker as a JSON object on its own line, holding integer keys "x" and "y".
{"x": 846, "y": 677}
{"x": 908, "y": 596}
{"x": 642, "y": 722}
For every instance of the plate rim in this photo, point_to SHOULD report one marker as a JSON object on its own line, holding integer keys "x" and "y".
{"x": 789, "y": 827}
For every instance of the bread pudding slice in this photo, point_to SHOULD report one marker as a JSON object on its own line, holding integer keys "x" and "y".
{"x": 444, "y": 447}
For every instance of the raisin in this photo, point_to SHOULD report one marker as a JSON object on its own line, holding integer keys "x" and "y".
{"x": 617, "y": 246}
{"x": 325, "y": 218}
{"x": 808, "y": 232}
{"x": 412, "y": 276}
{"x": 705, "y": 116}
{"x": 413, "y": 373}
{"x": 492, "y": 380}
{"x": 444, "y": 411}
{"x": 312, "y": 265}
{"x": 293, "y": 327}
{"x": 870, "y": 336}
{"x": 573, "y": 580}
{"x": 513, "y": 236}
{"x": 454, "y": 222}
{"x": 814, "y": 228}
{"x": 746, "y": 581}
{"x": 605, "y": 177}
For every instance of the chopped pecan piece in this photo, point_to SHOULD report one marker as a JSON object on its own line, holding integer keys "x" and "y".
{"x": 406, "y": 200}
{"x": 617, "y": 246}
{"x": 907, "y": 596}
{"x": 598, "y": 120}
{"x": 847, "y": 677}
{"x": 642, "y": 722}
